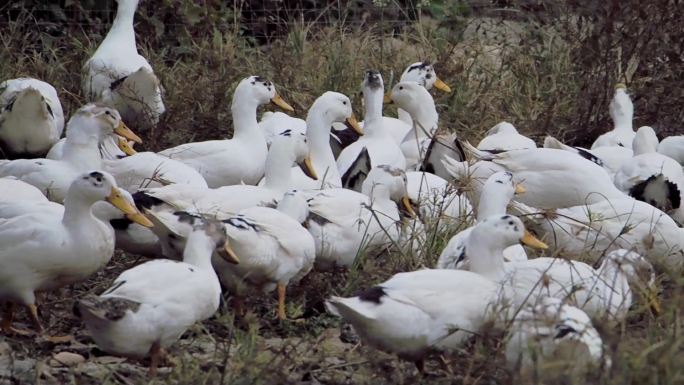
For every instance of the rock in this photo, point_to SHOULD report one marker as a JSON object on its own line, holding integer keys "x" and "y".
{"x": 66, "y": 359}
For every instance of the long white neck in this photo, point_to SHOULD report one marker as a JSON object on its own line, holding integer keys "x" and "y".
{"x": 121, "y": 34}
{"x": 486, "y": 257}
{"x": 425, "y": 120}
{"x": 76, "y": 211}
{"x": 245, "y": 124}
{"x": 493, "y": 201}
{"x": 404, "y": 116}
{"x": 372, "y": 99}
{"x": 279, "y": 162}
{"x": 198, "y": 250}
{"x": 318, "y": 134}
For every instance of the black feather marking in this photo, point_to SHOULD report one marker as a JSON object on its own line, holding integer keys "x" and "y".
{"x": 184, "y": 216}
{"x": 373, "y": 294}
{"x": 143, "y": 200}
{"x": 563, "y": 330}
{"x": 459, "y": 148}
{"x": 357, "y": 172}
{"x": 120, "y": 223}
{"x": 49, "y": 109}
{"x": 462, "y": 256}
{"x": 287, "y": 132}
{"x": 427, "y": 166}
{"x": 117, "y": 83}
{"x": 638, "y": 192}
{"x": 10, "y": 105}
{"x": 117, "y": 285}
{"x": 373, "y": 79}
{"x": 114, "y": 308}
{"x": 346, "y": 136}
{"x": 588, "y": 155}
{"x": 313, "y": 217}
{"x": 241, "y": 223}
{"x": 419, "y": 66}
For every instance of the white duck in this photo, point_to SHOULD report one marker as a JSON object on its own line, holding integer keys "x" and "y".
{"x": 31, "y": 117}
{"x": 46, "y": 250}
{"x": 376, "y": 141}
{"x": 277, "y": 248}
{"x": 588, "y": 231}
{"x": 116, "y": 74}
{"x": 652, "y": 177}
{"x": 496, "y": 195}
{"x": 242, "y": 158}
{"x": 15, "y": 190}
{"x": 112, "y": 147}
{"x": 273, "y": 123}
{"x": 553, "y": 178}
{"x": 673, "y": 146}
{"x": 504, "y": 137}
{"x": 611, "y": 158}
{"x": 622, "y": 113}
{"x": 344, "y": 222}
{"x": 549, "y": 330}
{"x": 86, "y": 129}
{"x": 328, "y": 108}
{"x": 150, "y": 306}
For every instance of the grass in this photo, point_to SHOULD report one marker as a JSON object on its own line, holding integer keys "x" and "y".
{"x": 523, "y": 72}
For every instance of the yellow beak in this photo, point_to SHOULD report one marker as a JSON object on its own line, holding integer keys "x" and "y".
{"x": 520, "y": 189}
{"x": 532, "y": 241}
{"x": 387, "y": 99}
{"x": 123, "y": 130}
{"x": 440, "y": 85}
{"x": 278, "y": 101}
{"x": 406, "y": 202}
{"x": 354, "y": 124}
{"x": 228, "y": 254}
{"x": 140, "y": 219}
{"x": 117, "y": 200}
{"x": 308, "y": 168}
{"x": 125, "y": 147}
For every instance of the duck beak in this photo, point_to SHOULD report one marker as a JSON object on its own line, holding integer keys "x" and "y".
{"x": 278, "y": 101}
{"x": 352, "y": 123}
{"x": 532, "y": 241}
{"x": 440, "y": 85}
{"x": 520, "y": 189}
{"x": 307, "y": 168}
{"x": 125, "y": 147}
{"x": 650, "y": 295}
{"x": 140, "y": 219}
{"x": 228, "y": 255}
{"x": 117, "y": 200}
{"x": 123, "y": 130}
{"x": 406, "y": 202}
{"x": 387, "y": 99}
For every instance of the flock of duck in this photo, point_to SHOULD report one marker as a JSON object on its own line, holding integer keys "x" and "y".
{"x": 286, "y": 196}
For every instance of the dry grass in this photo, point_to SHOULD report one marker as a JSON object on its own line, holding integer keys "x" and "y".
{"x": 525, "y": 72}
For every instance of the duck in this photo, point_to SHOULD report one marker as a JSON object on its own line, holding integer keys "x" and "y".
{"x": 673, "y": 147}
{"x": 504, "y": 137}
{"x": 273, "y": 123}
{"x": 149, "y": 307}
{"x": 376, "y": 142}
{"x": 425, "y": 75}
{"x": 344, "y": 222}
{"x": 44, "y": 250}
{"x": 652, "y": 177}
{"x": 421, "y": 140}
{"x": 496, "y": 195}
{"x": 240, "y": 160}
{"x": 86, "y": 129}
{"x": 553, "y": 178}
{"x": 436, "y": 198}
{"x": 118, "y": 75}
{"x": 543, "y": 332}
{"x": 326, "y": 109}
{"x": 622, "y": 112}
{"x": 287, "y": 149}
{"x": 280, "y": 249}
{"x": 31, "y": 118}
{"x": 415, "y": 313}
{"x": 112, "y": 147}
{"x": 611, "y": 158}
{"x": 588, "y": 231}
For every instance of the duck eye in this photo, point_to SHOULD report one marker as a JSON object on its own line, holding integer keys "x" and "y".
{"x": 511, "y": 223}
{"x": 344, "y": 102}
{"x": 401, "y": 87}
{"x": 107, "y": 113}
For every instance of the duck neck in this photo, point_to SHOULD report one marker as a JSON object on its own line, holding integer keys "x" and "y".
{"x": 122, "y": 32}
{"x": 245, "y": 124}
{"x": 425, "y": 119}
{"x": 198, "y": 250}
{"x": 492, "y": 202}
{"x": 404, "y": 116}
{"x": 486, "y": 257}
{"x": 76, "y": 210}
{"x": 81, "y": 150}
{"x": 278, "y": 167}
{"x": 372, "y": 100}
{"x": 318, "y": 134}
